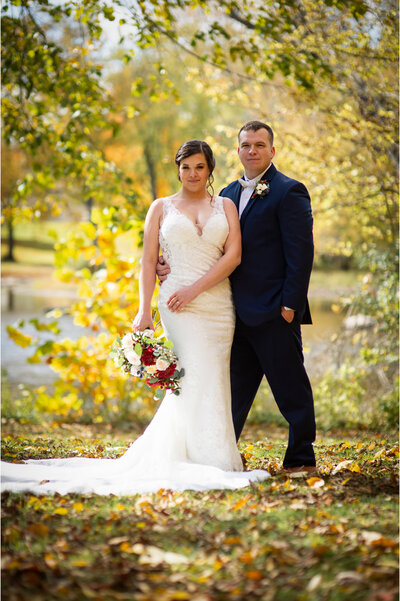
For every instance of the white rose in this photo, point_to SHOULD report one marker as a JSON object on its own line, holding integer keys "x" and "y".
{"x": 127, "y": 342}
{"x": 132, "y": 357}
{"x": 148, "y": 333}
{"x": 161, "y": 364}
{"x": 151, "y": 369}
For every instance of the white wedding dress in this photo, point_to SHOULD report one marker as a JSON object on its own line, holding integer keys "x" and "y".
{"x": 190, "y": 443}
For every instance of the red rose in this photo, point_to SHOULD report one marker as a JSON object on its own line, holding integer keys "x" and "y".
{"x": 147, "y": 357}
{"x": 167, "y": 373}
{"x": 152, "y": 384}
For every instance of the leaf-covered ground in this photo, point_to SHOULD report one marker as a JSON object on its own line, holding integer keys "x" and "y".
{"x": 326, "y": 538}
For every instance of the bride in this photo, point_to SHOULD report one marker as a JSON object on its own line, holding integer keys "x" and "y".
{"x": 190, "y": 443}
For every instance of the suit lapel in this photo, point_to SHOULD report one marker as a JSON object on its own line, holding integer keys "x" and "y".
{"x": 267, "y": 178}
{"x": 236, "y": 194}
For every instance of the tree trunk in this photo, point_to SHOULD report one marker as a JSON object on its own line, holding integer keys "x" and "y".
{"x": 89, "y": 207}
{"x": 11, "y": 243}
{"x": 151, "y": 169}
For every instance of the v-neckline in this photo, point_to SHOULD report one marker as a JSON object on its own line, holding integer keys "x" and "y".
{"x": 190, "y": 220}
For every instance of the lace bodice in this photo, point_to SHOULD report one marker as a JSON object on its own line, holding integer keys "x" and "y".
{"x": 184, "y": 247}
{"x": 190, "y": 254}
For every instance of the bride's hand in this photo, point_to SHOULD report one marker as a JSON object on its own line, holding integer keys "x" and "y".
{"x": 142, "y": 322}
{"x": 179, "y": 299}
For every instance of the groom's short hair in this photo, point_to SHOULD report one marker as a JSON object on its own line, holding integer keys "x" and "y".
{"x": 256, "y": 125}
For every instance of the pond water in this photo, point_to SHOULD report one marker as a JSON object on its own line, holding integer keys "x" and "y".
{"x": 22, "y": 302}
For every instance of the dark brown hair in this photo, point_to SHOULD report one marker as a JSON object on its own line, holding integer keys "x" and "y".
{"x": 255, "y": 126}
{"x": 197, "y": 147}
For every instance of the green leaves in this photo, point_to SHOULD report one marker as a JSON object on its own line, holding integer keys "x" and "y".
{"x": 42, "y": 350}
{"x": 179, "y": 373}
{"x": 18, "y": 337}
{"x": 53, "y": 105}
{"x": 159, "y": 394}
{"x": 45, "y": 327}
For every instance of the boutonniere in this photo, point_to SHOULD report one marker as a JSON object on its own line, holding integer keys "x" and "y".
{"x": 262, "y": 189}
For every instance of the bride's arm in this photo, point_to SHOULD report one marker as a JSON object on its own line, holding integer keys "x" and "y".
{"x": 221, "y": 269}
{"x": 147, "y": 277}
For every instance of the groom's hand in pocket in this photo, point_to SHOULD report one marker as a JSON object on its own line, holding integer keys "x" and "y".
{"x": 287, "y": 314}
{"x": 162, "y": 269}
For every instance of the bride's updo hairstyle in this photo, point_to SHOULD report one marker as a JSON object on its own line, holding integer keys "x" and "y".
{"x": 197, "y": 147}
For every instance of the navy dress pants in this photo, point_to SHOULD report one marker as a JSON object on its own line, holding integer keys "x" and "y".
{"x": 274, "y": 349}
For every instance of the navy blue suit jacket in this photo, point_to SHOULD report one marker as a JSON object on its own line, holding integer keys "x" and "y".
{"x": 277, "y": 251}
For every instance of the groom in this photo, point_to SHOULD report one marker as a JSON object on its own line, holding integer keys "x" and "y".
{"x": 270, "y": 293}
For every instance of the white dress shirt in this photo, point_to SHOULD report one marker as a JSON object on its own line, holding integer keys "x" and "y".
{"x": 248, "y": 191}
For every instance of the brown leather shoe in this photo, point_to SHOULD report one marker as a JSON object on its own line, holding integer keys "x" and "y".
{"x": 301, "y": 470}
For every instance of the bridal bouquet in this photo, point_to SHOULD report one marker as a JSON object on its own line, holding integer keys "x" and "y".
{"x": 143, "y": 356}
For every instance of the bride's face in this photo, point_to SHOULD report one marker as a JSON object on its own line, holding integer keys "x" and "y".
{"x": 193, "y": 172}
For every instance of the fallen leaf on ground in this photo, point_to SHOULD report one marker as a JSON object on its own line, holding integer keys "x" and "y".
{"x": 314, "y": 583}
{"x": 60, "y": 511}
{"x": 38, "y": 529}
{"x": 349, "y": 577}
{"x": 343, "y": 465}
{"x": 376, "y": 539}
{"x": 50, "y": 560}
{"x": 315, "y": 482}
{"x": 253, "y": 575}
{"x": 155, "y": 555}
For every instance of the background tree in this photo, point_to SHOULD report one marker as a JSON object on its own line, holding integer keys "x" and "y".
{"x": 167, "y": 110}
{"x": 53, "y": 105}
{"x": 12, "y": 166}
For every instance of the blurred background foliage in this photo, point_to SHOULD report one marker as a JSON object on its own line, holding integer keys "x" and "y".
{"x": 96, "y": 99}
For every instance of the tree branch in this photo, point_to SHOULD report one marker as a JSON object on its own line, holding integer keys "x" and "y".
{"x": 203, "y": 59}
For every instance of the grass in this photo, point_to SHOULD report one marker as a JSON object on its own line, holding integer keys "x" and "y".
{"x": 337, "y": 278}
{"x": 38, "y": 230}
{"x": 327, "y": 539}
{"x": 27, "y": 256}
{"x": 326, "y": 284}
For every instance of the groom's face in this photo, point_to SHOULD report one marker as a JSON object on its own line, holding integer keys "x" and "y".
{"x": 255, "y": 151}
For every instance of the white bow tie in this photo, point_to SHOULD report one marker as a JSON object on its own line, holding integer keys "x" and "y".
{"x": 246, "y": 183}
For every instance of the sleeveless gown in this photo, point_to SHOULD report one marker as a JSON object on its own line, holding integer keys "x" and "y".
{"x": 190, "y": 442}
